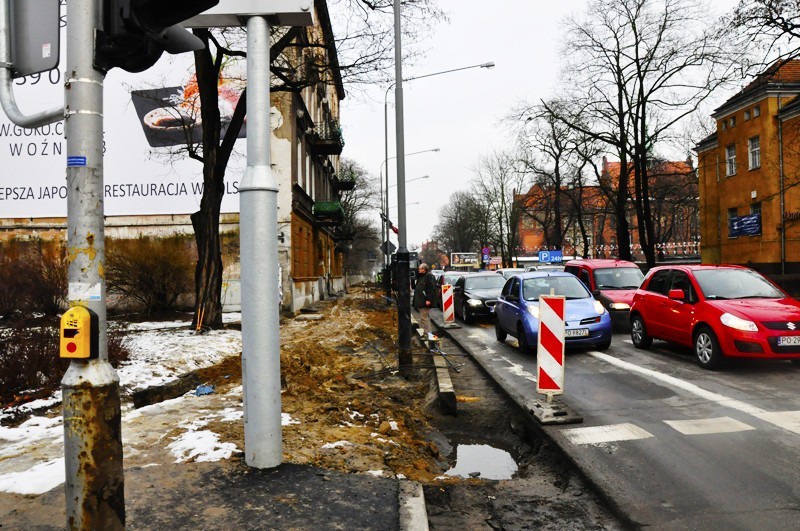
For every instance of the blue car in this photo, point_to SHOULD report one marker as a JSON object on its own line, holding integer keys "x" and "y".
{"x": 587, "y": 323}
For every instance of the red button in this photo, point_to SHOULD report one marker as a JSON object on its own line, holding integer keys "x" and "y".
{"x": 71, "y": 347}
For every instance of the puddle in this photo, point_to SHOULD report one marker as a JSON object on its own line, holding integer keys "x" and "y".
{"x": 488, "y": 462}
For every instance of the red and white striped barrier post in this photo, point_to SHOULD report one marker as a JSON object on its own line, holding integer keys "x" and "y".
{"x": 550, "y": 351}
{"x": 447, "y": 303}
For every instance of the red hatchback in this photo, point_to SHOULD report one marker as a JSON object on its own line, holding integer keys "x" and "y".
{"x": 720, "y": 311}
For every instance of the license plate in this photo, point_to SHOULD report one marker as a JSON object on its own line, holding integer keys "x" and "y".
{"x": 785, "y": 341}
{"x": 576, "y": 332}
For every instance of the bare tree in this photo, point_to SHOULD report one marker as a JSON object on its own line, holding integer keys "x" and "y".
{"x": 639, "y": 68}
{"x": 498, "y": 183}
{"x": 357, "y": 235}
{"x": 299, "y": 58}
{"x": 772, "y": 25}
{"x": 457, "y": 230}
{"x": 556, "y": 155}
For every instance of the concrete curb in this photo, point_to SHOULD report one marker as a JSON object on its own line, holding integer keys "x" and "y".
{"x": 413, "y": 513}
{"x": 445, "y": 391}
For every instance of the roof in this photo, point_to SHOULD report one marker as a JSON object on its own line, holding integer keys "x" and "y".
{"x": 601, "y": 262}
{"x": 783, "y": 74}
{"x": 706, "y": 143}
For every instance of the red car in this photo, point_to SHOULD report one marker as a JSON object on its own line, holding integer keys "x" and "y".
{"x": 720, "y": 311}
{"x": 615, "y": 280}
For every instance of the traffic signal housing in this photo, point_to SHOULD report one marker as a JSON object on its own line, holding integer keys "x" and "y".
{"x": 136, "y": 32}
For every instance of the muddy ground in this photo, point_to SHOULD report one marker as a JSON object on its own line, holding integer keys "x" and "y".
{"x": 345, "y": 362}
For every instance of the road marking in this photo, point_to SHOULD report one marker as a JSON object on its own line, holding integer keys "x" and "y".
{"x": 788, "y": 420}
{"x": 605, "y": 434}
{"x": 708, "y": 426}
{"x": 682, "y": 384}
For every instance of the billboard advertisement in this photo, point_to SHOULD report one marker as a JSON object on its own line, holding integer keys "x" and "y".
{"x": 147, "y": 118}
{"x": 464, "y": 259}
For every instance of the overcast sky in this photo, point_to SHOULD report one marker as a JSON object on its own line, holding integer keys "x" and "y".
{"x": 461, "y": 112}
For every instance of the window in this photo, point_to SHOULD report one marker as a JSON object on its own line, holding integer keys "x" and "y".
{"x": 680, "y": 280}
{"x": 658, "y": 284}
{"x": 754, "y": 152}
{"x": 732, "y": 213}
{"x": 755, "y": 208}
{"x": 746, "y": 115}
{"x": 732, "y": 121}
{"x": 730, "y": 158}
{"x": 724, "y": 125}
{"x": 756, "y": 111}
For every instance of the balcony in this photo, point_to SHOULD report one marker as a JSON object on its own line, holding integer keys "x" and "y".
{"x": 328, "y": 212}
{"x": 326, "y": 138}
{"x": 343, "y": 185}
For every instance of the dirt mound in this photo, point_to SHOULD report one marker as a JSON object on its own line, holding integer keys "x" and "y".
{"x": 350, "y": 409}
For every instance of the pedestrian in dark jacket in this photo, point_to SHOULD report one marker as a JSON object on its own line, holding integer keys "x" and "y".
{"x": 424, "y": 297}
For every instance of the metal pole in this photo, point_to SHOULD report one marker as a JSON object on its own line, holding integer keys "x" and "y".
{"x": 387, "y": 281}
{"x": 403, "y": 281}
{"x": 92, "y": 421}
{"x": 258, "y": 226}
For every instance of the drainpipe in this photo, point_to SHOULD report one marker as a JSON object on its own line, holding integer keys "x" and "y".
{"x": 782, "y": 191}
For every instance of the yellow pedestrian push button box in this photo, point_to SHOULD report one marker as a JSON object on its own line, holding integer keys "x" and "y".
{"x": 79, "y": 333}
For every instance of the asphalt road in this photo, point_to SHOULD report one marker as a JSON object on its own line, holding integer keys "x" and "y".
{"x": 672, "y": 445}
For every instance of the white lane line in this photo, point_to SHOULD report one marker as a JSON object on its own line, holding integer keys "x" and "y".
{"x": 708, "y": 426}
{"x": 788, "y": 420}
{"x": 682, "y": 384}
{"x": 605, "y": 434}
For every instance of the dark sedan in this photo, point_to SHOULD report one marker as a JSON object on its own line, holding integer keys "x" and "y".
{"x": 476, "y": 294}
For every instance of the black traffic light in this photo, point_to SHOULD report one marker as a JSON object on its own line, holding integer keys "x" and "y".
{"x": 136, "y": 32}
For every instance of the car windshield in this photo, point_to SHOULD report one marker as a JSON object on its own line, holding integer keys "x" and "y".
{"x": 735, "y": 284}
{"x": 618, "y": 278}
{"x": 450, "y": 278}
{"x": 484, "y": 282}
{"x": 508, "y": 273}
{"x": 566, "y": 286}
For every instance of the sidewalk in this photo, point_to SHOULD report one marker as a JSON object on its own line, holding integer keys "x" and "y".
{"x": 230, "y": 495}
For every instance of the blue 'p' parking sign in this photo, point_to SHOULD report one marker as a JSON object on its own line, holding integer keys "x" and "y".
{"x": 550, "y": 256}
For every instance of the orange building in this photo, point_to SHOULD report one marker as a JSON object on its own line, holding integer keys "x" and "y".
{"x": 749, "y": 171}
{"x": 674, "y": 205}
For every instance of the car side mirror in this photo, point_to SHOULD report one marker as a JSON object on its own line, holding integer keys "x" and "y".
{"x": 512, "y": 298}
{"x": 596, "y": 294}
{"x": 676, "y": 294}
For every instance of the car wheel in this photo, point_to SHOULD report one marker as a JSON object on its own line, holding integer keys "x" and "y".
{"x": 639, "y": 333}
{"x": 522, "y": 339}
{"x": 465, "y": 313}
{"x": 499, "y": 333}
{"x": 604, "y": 345}
{"x": 706, "y": 348}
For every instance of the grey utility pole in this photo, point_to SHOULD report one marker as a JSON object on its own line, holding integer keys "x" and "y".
{"x": 258, "y": 196}
{"x": 258, "y": 226}
{"x": 405, "y": 360}
{"x": 92, "y": 421}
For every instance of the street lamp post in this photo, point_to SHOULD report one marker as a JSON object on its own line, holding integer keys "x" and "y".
{"x": 385, "y": 226}
{"x": 404, "y": 303}
{"x": 385, "y": 218}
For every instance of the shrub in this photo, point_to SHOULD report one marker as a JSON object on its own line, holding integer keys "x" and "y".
{"x": 153, "y": 272}
{"x": 47, "y": 284}
{"x": 11, "y": 290}
{"x": 33, "y": 277}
